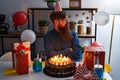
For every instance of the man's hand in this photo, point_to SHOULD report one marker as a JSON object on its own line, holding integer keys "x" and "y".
{"x": 71, "y": 49}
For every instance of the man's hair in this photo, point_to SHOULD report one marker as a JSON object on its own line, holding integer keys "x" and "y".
{"x": 57, "y": 15}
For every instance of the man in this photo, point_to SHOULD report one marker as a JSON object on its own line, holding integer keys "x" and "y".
{"x": 61, "y": 40}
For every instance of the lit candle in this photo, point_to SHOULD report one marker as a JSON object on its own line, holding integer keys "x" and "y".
{"x": 40, "y": 59}
{"x": 60, "y": 60}
{"x": 56, "y": 63}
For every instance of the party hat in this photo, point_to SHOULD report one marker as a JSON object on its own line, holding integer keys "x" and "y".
{"x": 58, "y": 6}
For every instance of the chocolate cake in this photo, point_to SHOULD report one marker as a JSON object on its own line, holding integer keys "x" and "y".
{"x": 60, "y": 67}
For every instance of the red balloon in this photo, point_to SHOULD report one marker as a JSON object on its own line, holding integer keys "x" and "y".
{"x": 96, "y": 44}
{"x": 19, "y": 18}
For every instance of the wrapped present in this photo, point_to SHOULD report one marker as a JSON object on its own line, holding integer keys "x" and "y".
{"x": 21, "y": 57}
{"x": 22, "y": 64}
{"x": 94, "y": 55}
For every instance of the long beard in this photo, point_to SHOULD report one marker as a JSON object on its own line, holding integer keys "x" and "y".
{"x": 65, "y": 33}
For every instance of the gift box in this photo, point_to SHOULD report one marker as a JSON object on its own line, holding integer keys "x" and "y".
{"x": 21, "y": 57}
{"x": 22, "y": 64}
{"x": 94, "y": 55}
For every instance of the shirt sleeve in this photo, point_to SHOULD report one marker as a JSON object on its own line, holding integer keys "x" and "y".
{"x": 77, "y": 51}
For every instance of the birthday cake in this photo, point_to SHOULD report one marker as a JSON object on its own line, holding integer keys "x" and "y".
{"x": 60, "y": 66}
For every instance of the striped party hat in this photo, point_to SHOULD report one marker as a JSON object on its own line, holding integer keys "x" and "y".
{"x": 58, "y": 6}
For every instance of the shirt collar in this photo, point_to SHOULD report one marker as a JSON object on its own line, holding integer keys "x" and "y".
{"x": 55, "y": 31}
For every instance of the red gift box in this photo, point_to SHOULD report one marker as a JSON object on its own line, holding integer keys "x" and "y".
{"x": 21, "y": 57}
{"x": 22, "y": 64}
{"x": 90, "y": 54}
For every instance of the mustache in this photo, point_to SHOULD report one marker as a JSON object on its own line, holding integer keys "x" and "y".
{"x": 62, "y": 29}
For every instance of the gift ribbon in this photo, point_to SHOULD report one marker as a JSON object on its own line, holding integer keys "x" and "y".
{"x": 21, "y": 49}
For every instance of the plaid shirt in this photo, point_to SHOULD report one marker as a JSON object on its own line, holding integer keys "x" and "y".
{"x": 54, "y": 45}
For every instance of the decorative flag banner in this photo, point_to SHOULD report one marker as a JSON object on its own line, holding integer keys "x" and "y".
{"x": 108, "y": 68}
{"x": 82, "y": 73}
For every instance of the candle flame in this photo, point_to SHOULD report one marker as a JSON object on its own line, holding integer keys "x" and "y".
{"x": 60, "y": 60}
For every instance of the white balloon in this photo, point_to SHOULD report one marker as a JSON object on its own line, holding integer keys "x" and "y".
{"x": 101, "y": 18}
{"x": 28, "y": 35}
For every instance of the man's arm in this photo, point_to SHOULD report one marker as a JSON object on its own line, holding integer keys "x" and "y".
{"x": 50, "y": 51}
{"x": 77, "y": 51}
{"x": 74, "y": 51}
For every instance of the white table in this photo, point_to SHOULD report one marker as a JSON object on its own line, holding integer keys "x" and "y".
{"x": 32, "y": 75}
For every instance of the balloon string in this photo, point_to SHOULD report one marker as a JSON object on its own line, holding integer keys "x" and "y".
{"x": 15, "y": 28}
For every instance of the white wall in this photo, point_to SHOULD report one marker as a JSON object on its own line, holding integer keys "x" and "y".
{"x": 9, "y": 7}
{"x": 103, "y": 36}
{"x": 93, "y": 4}
{"x": 115, "y": 55}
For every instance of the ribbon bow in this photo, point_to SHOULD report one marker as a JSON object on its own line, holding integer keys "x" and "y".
{"x": 21, "y": 49}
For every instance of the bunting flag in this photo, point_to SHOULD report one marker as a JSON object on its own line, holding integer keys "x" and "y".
{"x": 94, "y": 76}
{"x": 107, "y": 68}
{"x": 81, "y": 71}
{"x": 84, "y": 68}
{"x": 58, "y": 6}
{"x": 9, "y": 71}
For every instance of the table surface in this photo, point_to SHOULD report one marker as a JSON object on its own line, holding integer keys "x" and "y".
{"x": 32, "y": 75}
